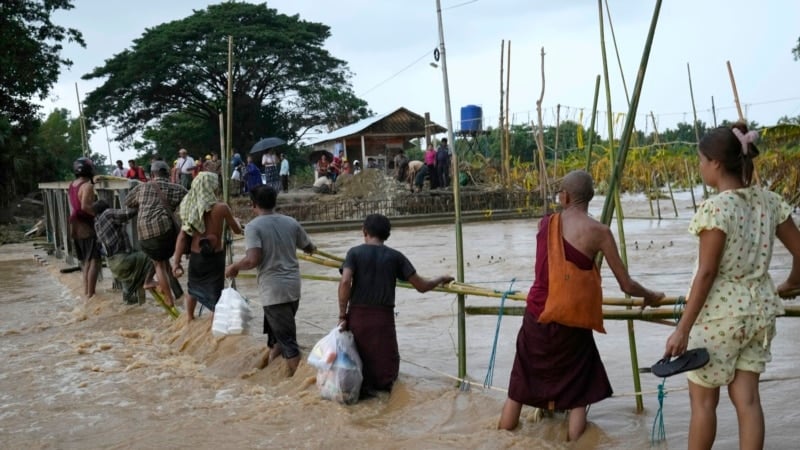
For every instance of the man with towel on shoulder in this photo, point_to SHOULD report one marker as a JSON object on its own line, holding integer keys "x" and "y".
{"x": 202, "y": 218}
{"x": 366, "y": 301}
{"x": 558, "y": 367}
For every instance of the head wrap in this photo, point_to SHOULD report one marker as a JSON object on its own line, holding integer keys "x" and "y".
{"x": 200, "y": 199}
{"x": 745, "y": 139}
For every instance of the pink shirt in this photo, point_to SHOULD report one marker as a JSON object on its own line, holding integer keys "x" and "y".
{"x": 430, "y": 157}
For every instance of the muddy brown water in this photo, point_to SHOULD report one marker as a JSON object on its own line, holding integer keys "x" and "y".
{"x": 98, "y": 374}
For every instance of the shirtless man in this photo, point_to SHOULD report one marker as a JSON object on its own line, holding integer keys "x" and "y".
{"x": 558, "y": 366}
{"x": 203, "y": 219}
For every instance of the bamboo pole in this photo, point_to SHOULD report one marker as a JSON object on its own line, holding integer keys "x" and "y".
{"x": 690, "y": 182}
{"x": 714, "y": 111}
{"x": 735, "y": 91}
{"x": 696, "y": 128}
{"x": 666, "y": 173}
{"x": 540, "y": 146}
{"x": 649, "y": 314}
{"x": 592, "y": 124}
{"x": 555, "y": 148}
{"x": 173, "y": 312}
{"x": 82, "y": 122}
{"x": 226, "y": 153}
{"x": 629, "y": 122}
{"x": 501, "y": 122}
{"x": 621, "y": 158}
{"x": 507, "y": 128}
{"x": 739, "y": 110}
{"x": 462, "y": 338}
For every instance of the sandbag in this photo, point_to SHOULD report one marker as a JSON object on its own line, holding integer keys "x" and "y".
{"x": 339, "y": 366}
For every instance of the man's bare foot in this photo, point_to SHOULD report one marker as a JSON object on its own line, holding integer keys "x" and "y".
{"x": 150, "y": 284}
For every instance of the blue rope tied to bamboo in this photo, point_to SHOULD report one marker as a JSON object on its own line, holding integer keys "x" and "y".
{"x": 659, "y": 433}
{"x": 487, "y": 382}
{"x": 677, "y": 309}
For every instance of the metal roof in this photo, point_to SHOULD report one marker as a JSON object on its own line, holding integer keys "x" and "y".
{"x": 400, "y": 122}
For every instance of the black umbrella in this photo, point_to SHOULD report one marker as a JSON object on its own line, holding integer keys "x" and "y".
{"x": 316, "y": 155}
{"x": 266, "y": 144}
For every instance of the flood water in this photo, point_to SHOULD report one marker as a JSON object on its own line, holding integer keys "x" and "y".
{"x": 99, "y": 374}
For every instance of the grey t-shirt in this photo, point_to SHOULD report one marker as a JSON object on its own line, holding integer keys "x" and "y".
{"x": 278, "y": 237}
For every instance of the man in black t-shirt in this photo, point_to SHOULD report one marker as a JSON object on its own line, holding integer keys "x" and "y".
{"x": 366, "y": 301}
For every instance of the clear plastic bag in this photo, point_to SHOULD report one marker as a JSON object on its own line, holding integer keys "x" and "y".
{"x": 232, "y": 314}
{"x": 339, "y": 366}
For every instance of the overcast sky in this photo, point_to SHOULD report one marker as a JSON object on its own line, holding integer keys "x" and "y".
{"x": 389, "y": 47}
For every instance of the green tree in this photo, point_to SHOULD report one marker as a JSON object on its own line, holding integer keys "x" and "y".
{"x": 58, "y": 144}
{"x": 30, "y": 63}
{"x": 284, "y": 81}
{"x": 30, "y": 54}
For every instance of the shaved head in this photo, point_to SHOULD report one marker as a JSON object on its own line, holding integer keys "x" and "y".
{"x": 579, "y": 185}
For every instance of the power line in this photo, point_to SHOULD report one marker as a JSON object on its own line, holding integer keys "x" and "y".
{"x": 424, "y": 55}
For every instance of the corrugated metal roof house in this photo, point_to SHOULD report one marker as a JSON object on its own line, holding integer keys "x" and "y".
{"x": 377, "y": 139}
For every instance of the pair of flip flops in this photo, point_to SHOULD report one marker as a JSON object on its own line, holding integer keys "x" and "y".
{"x": 689, "y": 360}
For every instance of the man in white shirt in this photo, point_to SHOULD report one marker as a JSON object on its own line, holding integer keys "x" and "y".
{"x": 185, "y": 168}
{"x": 284, "y": 173}
{"x": 119, "y": 171}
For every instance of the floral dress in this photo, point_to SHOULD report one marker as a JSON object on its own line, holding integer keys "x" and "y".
{"x": 742, "y": 301}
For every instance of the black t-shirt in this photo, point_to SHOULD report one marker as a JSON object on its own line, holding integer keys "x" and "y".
{"x": 376, "y": 269}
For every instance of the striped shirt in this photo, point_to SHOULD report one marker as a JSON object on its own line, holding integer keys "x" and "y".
{"x": 110, "y": 229}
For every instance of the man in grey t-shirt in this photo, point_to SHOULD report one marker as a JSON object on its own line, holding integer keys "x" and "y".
{"x": 272, "y": 241}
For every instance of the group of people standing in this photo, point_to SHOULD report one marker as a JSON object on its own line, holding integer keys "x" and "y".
{"x": 247, "y": 174}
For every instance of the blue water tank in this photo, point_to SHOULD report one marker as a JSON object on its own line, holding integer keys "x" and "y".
{"x": 471, "y": 119}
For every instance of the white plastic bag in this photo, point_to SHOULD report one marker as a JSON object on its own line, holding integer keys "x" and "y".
{"x": 339, "y": 366}
{"x": 232, "y": 314}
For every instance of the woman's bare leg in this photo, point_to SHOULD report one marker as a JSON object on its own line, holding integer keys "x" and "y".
{"x": 743, "y": 392}
{"x": 703, "y": 424}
